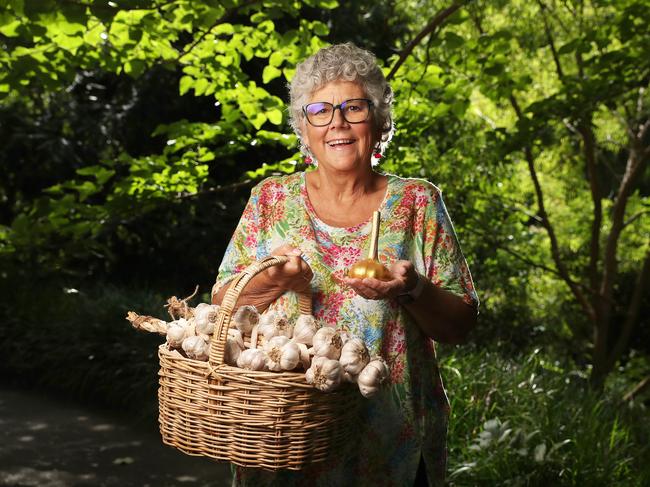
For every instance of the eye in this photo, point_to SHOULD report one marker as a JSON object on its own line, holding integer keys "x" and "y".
{"x": 354, "y": 106}
{"x": 318, "y": 109}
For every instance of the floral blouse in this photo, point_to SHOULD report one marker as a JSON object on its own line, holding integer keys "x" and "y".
{"x": 408, "y": 418}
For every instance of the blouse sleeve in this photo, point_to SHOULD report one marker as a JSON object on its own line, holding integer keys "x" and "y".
{"x": 444, "y": 262}
{"x": 246, "y": 244}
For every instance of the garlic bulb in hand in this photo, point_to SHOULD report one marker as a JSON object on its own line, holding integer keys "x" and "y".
{"x": 304, "y": 329}
{"x": 196, "y": 348}
{"x": 324, "y": 374}
{"x": 205, "y": 316}
{"x": 372, "y": 376}
{"x": 252, "y": 359}
{"x": 273, "y": 324}
{"x": 177, "y": 331}
{"x": 327, "y": 343}
{"x": 246, "y": 318}
{"x": 354, "y": 356}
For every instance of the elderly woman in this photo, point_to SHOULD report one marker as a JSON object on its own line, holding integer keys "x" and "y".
{"x": 321, "y": 219}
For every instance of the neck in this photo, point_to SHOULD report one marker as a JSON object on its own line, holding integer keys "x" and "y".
{"x": 344, "y": 186}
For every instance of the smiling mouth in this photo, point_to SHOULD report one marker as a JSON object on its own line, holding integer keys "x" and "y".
{"x": 340, "y": 142}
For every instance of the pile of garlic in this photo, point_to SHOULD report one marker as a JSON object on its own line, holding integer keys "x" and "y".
{"x": 269, "y": 342}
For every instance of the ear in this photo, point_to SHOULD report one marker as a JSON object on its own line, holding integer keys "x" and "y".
{"x": 303, "y": 133}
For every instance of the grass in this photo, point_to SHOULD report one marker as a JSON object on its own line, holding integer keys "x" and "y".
{"x": 531, "y": 420}
{"x": 523, "y": 420}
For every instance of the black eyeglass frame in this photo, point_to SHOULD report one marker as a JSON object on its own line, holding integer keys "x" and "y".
{"x": 340, "y": 106}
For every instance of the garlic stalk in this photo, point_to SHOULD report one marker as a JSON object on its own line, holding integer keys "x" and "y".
{"x": 354, "y": 356}
{"x": 273, "y": 324}
{"x": 324, "y": 374}
{"x": 252, "y": 359}
{"x": 196, "y": 348}
{"x": 372, "y": 376}
{"x": 304, "y": 329}
{"x": 205, "y": 316}
{"x": 246, "y": 318}
{"x": 327, "y": 343}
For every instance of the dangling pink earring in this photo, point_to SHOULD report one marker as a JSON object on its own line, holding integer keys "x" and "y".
{"x": 308, "y": 160}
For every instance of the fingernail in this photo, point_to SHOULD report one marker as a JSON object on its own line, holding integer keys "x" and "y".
{"x": 296, "y": 252}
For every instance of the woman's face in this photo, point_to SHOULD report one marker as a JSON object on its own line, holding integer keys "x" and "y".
{"x": 341, "y": 145}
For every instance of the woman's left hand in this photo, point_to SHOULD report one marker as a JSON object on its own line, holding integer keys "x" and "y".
{"x": 404, "y": 278}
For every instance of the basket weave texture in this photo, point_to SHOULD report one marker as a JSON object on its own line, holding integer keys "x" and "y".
{"x": 269, "y": 420}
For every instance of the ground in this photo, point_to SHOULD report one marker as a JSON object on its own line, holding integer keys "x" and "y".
{"x": 49, "y": 442}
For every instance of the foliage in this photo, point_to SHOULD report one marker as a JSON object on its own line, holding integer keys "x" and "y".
{"x": 532, "y": 420}
{"x": 133, "y": 130}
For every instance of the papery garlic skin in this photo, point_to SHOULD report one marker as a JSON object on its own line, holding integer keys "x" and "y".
{"x": 177, "y": 331}
{"x": 290, "y": 356}
{"x": 372, "y": 376}
{"x": 305, "y": 357}
{"x": 354, "y": 356}
{"x": 205, "y": 317}
{"x": 327, "y": 343}
{"x": 196, "y": 348}
{"x": 252, "y": 359}
{"x": 304, "y": 329}
{"x": 246, "y": 318}
{"x": 324, "y": 374}
{"x": 273, "y": 349}
{"x": 232, "y": 351}
{"x": 273, "y": 324}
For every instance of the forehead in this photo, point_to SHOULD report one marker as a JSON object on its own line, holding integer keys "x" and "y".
{"x": 337, "y": 91}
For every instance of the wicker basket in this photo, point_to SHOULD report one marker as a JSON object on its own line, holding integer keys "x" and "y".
{"x": 269, "y": 420}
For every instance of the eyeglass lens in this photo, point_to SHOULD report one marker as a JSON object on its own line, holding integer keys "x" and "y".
{"x": 353, "y": 111}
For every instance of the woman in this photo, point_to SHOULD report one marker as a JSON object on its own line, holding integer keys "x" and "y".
{"x": 340, "y": 109}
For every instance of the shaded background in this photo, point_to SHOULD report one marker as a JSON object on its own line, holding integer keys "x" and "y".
{"x": 132, "y": 132}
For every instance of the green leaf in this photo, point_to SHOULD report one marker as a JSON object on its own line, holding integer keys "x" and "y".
{"x": 270, "y": 73}
{"x": 274, "y": 116}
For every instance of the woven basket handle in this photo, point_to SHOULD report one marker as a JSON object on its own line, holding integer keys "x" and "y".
{"x": 237, "y": 285}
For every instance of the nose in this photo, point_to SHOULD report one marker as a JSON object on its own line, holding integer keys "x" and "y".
{"x": 338, "y": 119}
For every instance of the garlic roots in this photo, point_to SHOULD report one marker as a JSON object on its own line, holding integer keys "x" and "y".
{"x": 327, "y": 343}
{"x": 205, "y": 317}
{"x": 273, "y": 324}
{"x": 324, "y": 374}
{"x": 246, "y": 318}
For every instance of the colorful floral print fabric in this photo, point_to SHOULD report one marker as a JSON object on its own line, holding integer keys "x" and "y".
{"x": 408, "y": 418}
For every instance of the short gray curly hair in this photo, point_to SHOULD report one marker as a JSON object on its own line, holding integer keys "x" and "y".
{"x": 342, "y": 62}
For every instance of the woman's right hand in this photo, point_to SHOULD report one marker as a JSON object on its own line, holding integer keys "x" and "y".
{"x": 294, "y": 275}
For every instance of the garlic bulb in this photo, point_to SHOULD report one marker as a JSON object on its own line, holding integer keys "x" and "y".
{"x": 196, "y": 348}
{"x": 246, "y": 318}
{"x": 305, "y": 358}
{"x": 354, "y": 356}
{"x": 304, "y": 329}
{"x": 372, "y": 376}
{"x": 232, "y": 351}
{"x": 236, "y": 335}
{"x": 324, "y": 374}
{"x": 177, "y": 331}
{"x": 282, "y": 354}
{"x": 327, "y": 343}
{"x": 205, "y": 316}
{"x": 252, "y": 359}
{"x": 273, "y": 324}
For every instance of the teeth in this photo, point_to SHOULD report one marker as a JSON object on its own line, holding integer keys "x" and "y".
{"x": 339, "y": 142}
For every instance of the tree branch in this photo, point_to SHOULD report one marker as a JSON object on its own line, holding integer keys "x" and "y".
{"x": 551, "y": 42}
{"x": 555, "y": 250}
{"x": 637, "y": 389}
{"x": 435, "y": 22}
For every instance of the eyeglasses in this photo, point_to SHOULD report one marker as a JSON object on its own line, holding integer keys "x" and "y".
{"x": 321, "y": 113}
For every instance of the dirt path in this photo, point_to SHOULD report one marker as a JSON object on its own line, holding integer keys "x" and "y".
{"x": 51, "y": 443}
